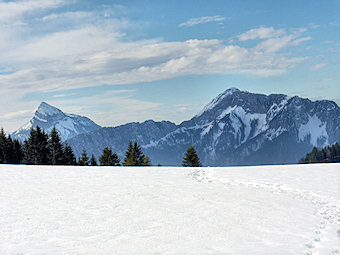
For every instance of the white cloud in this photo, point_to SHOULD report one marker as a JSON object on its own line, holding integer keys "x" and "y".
{"x": 10, "y": 11}
{"x": 261, "y": 33}
{"x": 275, "y": 44}
{"x": 300, "y": 40}
{"x": 90, "y": 57}
{"x": 202, "y": 20}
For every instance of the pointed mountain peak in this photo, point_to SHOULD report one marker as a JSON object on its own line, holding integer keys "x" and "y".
{"x": 230, "y": 91}
{"x": 216, "y": 101}
{"x": 47, "y": 116}
{"x": 46, "y": 109}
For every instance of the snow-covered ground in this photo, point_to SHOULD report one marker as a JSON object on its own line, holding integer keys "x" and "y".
{"x": 291, "y": 209}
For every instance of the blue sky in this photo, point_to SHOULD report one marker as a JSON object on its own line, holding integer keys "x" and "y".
{"x": 123, "y": 61}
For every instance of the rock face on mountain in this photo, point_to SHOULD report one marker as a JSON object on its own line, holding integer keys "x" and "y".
{"x": 241, "y": 128}
{"x": 118, "y": 137}
{"x": 47, "y": 116}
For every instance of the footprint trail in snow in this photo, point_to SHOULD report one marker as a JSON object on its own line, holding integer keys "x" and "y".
{"x": 326, "y": 207}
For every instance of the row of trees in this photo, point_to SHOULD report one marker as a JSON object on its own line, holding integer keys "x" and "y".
{"x": 43, "y": 149}
{"x": 134, "y": 156}
{"x": 325, "y": 155}
{"x": 10, "y": 150}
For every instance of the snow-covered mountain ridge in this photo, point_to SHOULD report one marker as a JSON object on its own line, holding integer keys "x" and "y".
{"x": 235, "y": 128}
{"x": 238, "y": 127}
{"x": 48, "y": 116}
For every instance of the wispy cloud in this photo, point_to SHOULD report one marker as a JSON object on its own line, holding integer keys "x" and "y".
{"x": 300, "y": 40}
{"x": 326, "y": 80}
{"x": 10, "y": 11}
{"x": 261, "y": 33}
{"x": 273, "y": 40}
{"x": 336, "y": 24}
{"x": 17, "y": 114}
{"x": 202, "y": 20}
{"x": 313, "y": 25}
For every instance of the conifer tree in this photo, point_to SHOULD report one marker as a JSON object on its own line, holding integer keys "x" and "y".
{"x": 130, "y": 156}
{"x": 93, "y": 161}
{"x": 18, "y": 152}
{"x": 84, "y": 159}
{"x": 36, "y": 148}
{"x": 2, "y": 146}
{"x": 43, "y": 150}
{"x": 134, "y": 156}
{"x": 191, "y": 158}
{"x": 108, "y": 158}
{"x": 146, "y": 161}
{"x": 9, "y": 150}
{"x": 69, "y": 157}
{"x": 56, "y": 151}
{"x": 139, "y": 155}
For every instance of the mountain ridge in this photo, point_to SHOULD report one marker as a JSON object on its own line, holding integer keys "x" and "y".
{"x": 251, "y": 125}
{"x": 235, "y": 128}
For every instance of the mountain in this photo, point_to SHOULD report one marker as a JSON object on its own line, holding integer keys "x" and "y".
{"x": 118, "y": 137}
{"x": 242, "y": 128}
{"x": 48, "y": 116}
{"x": 235, "y": 128}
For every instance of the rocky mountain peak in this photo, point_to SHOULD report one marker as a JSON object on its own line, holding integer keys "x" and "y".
{"x": 47, "y": 116}
{"x": 46, "y": 109}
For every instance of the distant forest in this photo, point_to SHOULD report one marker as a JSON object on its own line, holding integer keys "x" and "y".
{"x": 329, "y": 154}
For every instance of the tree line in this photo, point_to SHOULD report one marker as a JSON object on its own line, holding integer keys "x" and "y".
{"x": 328, "y": 154}
{"x": 48, "y": 149}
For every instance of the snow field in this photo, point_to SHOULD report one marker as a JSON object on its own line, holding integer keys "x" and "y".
{"x": 292, "y": 209}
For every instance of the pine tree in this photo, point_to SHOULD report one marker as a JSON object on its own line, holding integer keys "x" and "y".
{"x": 9, "y": 150}
{"x": 2, "y": 146}
{"x": 130, "y": 156}
{"x": 36, "y": 148}
{"x": 43, "y": 150}
{"x": 69, "y": 157}
{"x": 191, "y": 158}
{"x": 18, "y": 152}
{"x": 146, "y": 161}
{"x": 56, "y": 150}
{"x": 139, "y": 155}
{"x": 93, "y": 161}
{"x": 108, "y": 158}
{"x": 84, "y": 159}
{"x": 134, "y": 156}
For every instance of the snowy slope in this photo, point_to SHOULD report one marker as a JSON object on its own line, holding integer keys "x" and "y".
{"x": 284, "y": 210}
{"x": 48, "y": 116}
